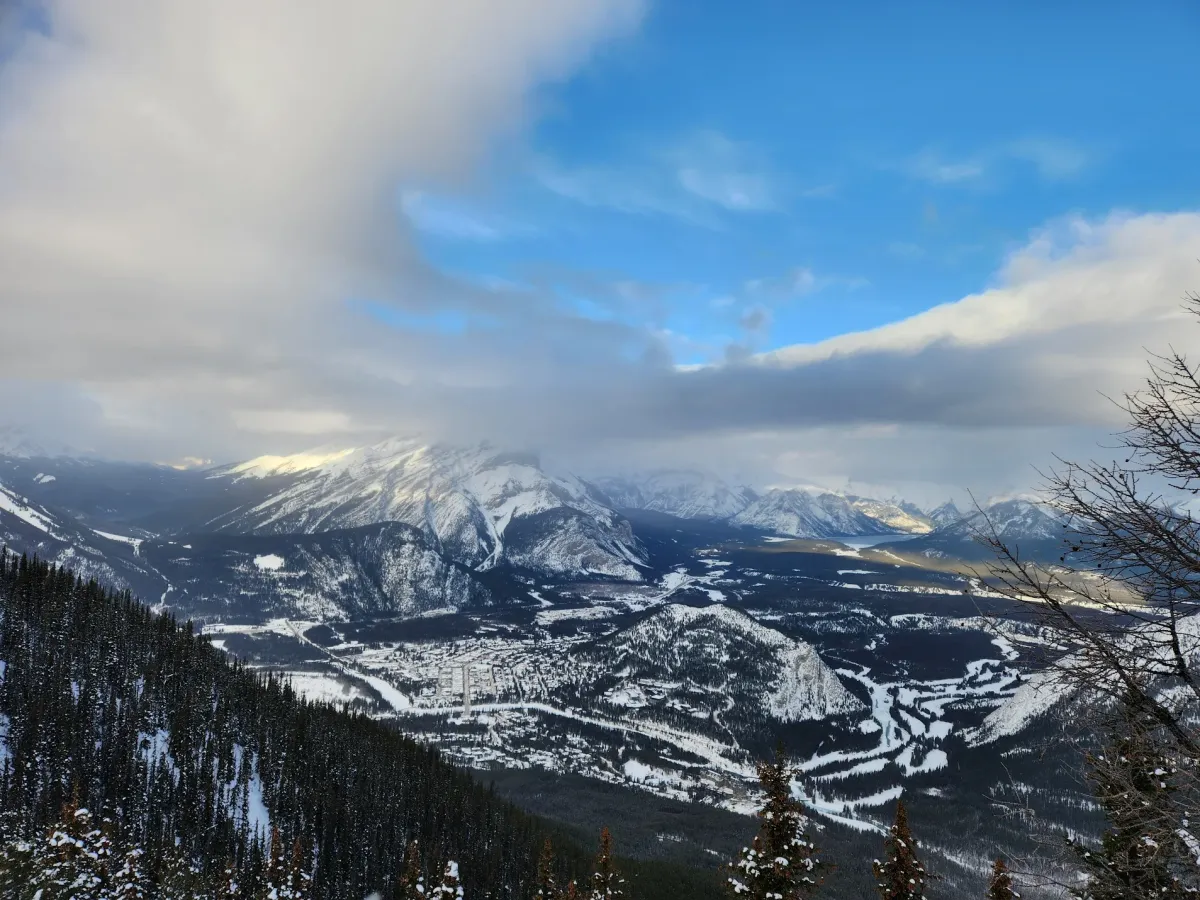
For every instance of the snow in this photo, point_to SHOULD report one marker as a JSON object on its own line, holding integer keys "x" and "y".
{"x": 269, "y": 563}
{"x": 42, "y": 478}
{"x": 637, "y": 771}
{"x": 393, "y": 697}
{"x": 12, "y": 504}
{"x": 266, "y": 466}
{"x": 135, "y": 543}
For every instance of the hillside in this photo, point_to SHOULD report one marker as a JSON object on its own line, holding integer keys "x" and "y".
{"x": 160, "y": 734}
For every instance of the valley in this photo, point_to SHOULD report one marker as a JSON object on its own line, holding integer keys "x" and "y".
{"x": 530, "y": 628}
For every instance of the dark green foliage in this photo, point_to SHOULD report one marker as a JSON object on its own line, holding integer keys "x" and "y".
{"x": 607, "y": 883}
{"x": 173, "y": 748}
{"x": 1146, "y": 795}
{"x": 782, "y": 863}
{"x": 901, "y": 875}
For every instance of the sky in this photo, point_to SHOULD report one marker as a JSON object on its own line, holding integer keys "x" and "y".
{"x": 892, "y": 248}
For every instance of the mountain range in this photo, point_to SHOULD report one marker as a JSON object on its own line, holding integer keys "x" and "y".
{"x": 406, "y": 528}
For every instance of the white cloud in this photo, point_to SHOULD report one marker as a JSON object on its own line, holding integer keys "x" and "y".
{"x": 193, "y": 190}
{"x": 1053, "y": 159}
{"x": 692, "y": 180}
{"x": 457, "y": 220}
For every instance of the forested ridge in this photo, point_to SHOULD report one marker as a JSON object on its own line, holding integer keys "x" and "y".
{"x": 175, "y": 749}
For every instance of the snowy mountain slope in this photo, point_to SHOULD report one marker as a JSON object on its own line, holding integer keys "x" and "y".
{"x": 896, "y": 516}
{"x": 1047, "y": 690}
{"x": 946, "y": 514}
{"x": 684, "y": 493}
{"x": 718, "y": 662}
{"x": 475, "y": 505}
{"x": 807, "y": 514}
{"x": 31, "y": 528}
{"x": 385, "y": 570}
{"x": 1034, "y": 530}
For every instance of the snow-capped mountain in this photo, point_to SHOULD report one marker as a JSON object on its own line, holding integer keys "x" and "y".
{"x": 896, "y": 515}
{"x": 477, "y": 506}
{"x": 685, "y": 493}
{"x": 946, "y": 514}
{"x": 1033, "y": 529}
{"x": 714, "y": 660}
{"x": 806, "y": 514}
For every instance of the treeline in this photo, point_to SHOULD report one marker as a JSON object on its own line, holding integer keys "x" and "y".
{"x": 125, "y": 726}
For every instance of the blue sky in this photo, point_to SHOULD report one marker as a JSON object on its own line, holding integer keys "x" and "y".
{"x": 761, "y": 174}
{"x": 904, "y": 246}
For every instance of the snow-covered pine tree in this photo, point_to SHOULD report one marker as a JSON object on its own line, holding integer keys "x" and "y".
{"x": 275, "y": 878}
{"x": 782, "y": 862}
{"x": 901, "y": 875}
{"x": 129, "y": 880}
{"x": 72, "y": 863}
{"x": 16, "y": 867}
{"x": 1146, "y": 791}
{"x": 547, "y": 882}
{"x": 449, "y": 888}
{"x": 181, "y": 879}
{"x": 299, "y": 879}
{"x": 1001, "y": 885}
{"x": 229, "y": 884}
{"x": 607, "y": 883}
{"x": 411, "y": 883}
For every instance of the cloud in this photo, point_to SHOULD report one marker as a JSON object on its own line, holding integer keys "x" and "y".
{"x": 994, "y": 375}
{"x": 798, "y": 282}
{"x": 1053, "y": 159}
{"x": 192, "y": 192}
{"x": 203, "y": 255}
{"x": 929, "y": 166}
{"x": 694, "y": 180}
{"x": 456, "y": 220}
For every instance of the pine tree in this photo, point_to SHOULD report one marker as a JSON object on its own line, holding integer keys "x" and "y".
{"x": 129, "y": 881}
{"x": 299, "y": 881}
{"x": 547, "y": 883}
{"x": 16, "y": 868}
{"x": 181, "y": 879}
{"x": 73, "y": 861}
{"x": 1001, "y": 885}
{"x": 607, "y": 883}
{"x": 275, "y": 879}
{"x": 781, "y": 863}
{"x": 229, "y": 884}
{"x": 411, "y": 883}
{"x": 449, "y": 888}
{"x": 1137, "y": 783}
{"x": 901, "y": 875}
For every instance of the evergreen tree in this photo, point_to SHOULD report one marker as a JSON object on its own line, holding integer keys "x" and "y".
{"x": 547, "y": 882}
{"x": 1137, "y": 782}
{"x": 607, "y": 883}
{"x": 449, "y": 888}
{"x": 411, "y": 883}
{"x": 901, "y": 875}
{"x": 187, "y": 750}
{"x": 275, "y": 879}
{"x": 1001, "y": 885}
{"x": 73, "y": 861}
{"x": 16, "y": 868}
{"x": 781, "y": 863}
{"x": 299, "y": 880}
{"x": 129, "y": 881}
{"x": 229, "y": 884}
{"x": 181, "y": 879}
